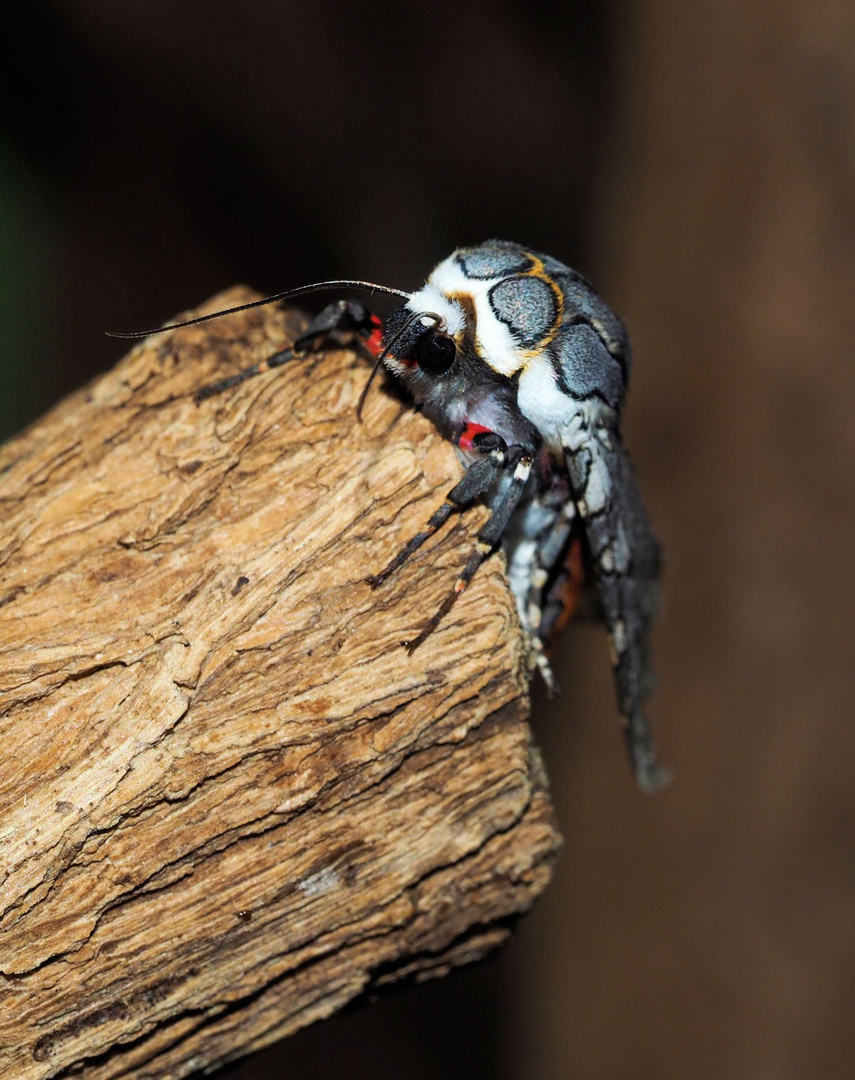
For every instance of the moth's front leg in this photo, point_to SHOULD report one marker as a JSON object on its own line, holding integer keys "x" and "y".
{"x": 626, "y": 558}
{"x": 341, "y": 317}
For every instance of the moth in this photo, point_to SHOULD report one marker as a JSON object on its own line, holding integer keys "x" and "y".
{"x": 519, "y": 363}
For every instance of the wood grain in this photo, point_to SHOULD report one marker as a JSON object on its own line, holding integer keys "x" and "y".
{"x": 230, "y": 803}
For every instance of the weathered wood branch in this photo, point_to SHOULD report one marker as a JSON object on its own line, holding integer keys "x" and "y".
{"x": 229, "y": 801}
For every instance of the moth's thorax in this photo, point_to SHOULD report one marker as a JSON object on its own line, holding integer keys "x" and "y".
{"x": 501, "y": 300}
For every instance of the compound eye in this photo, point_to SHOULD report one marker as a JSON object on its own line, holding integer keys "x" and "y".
{"x": 435, "y": 352}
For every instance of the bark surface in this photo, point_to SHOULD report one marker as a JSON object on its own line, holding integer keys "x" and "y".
{"x": 230, "y": 802}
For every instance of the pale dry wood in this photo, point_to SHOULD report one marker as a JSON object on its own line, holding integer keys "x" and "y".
{"x": 230, "y": 803}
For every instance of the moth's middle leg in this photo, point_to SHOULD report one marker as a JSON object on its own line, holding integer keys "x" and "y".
{"x": 479, "y": 478}
{"x": 503, "y": 506}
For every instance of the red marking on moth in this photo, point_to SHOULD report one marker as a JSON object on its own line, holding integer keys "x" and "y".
{"x": 571, "y": 590}
{"x": 374, "y": 341}
{"x": 468, "y": 434}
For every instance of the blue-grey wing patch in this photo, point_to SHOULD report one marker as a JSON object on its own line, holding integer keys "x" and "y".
{"x": 493, "y": 261}
{"x": 584, "y": 367}
{"x": 528, "y": 307}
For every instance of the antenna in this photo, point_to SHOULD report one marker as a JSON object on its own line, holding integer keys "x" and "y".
{"x": 320, "y": 286}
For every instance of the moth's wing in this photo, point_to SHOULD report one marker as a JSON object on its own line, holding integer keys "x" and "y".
{"x": 626, "y": 559}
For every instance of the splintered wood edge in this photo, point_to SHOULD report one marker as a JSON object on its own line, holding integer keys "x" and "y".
{"x": 230, "y": 802}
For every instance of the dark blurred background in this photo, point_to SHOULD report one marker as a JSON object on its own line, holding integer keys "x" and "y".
{"x": 697, "y": 161}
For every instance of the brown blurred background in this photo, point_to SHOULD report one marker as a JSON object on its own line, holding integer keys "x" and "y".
{"x": 697, "y": 161}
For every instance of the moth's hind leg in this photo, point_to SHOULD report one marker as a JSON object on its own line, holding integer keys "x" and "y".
{"x": 342, "y": 317}
{"x": 534, "y": 548}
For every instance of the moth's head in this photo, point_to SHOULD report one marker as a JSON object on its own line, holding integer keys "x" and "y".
{"x": 424, "y": 338}
{"x": 447, "y": 320}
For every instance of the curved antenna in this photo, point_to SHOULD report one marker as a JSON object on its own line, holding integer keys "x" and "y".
{"x": 438, "y": 321}
{"x": 320, "y": 286}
